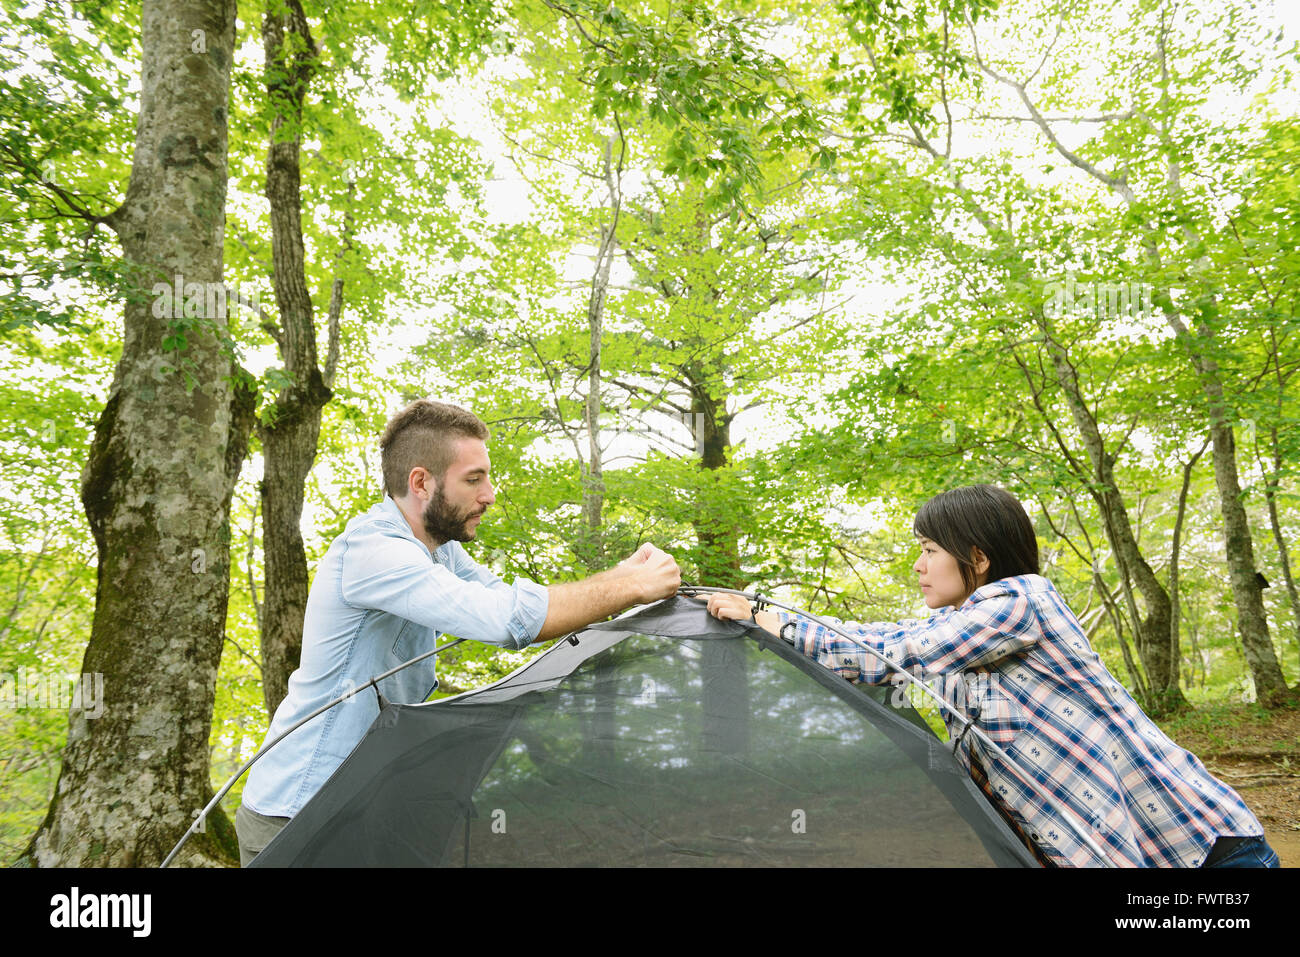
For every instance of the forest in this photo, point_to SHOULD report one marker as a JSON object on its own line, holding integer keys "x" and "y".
{"x": 749, "y": 280}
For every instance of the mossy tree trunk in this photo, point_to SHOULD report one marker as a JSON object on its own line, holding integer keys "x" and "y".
{"x": 292, "y": 427}
{"x": 164, "y": 460}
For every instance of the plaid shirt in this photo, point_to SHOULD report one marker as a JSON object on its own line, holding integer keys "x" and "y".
{"x": 1023, "y": 671}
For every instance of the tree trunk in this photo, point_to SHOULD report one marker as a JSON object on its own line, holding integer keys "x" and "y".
{"x": 1117, "y": 622}
{"x": 1175, "y": 655}
{"x": 723, "y": 665}
{"x": 1151, "y": 633}
{"x": 290, "y": 434}
{"x": 1271, "y": 485}
{"x": 157, "y": 485}
{"x": 1202, "y": 657}
{"x": 1270, "y": 686}
{"x": 718, "y": 537}
{"x": 591, "y": 548}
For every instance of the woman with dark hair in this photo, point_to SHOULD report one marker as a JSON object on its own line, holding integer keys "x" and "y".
{"x": 1044, "y": 698}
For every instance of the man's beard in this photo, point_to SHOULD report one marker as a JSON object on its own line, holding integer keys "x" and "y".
{"x": 444, "y": 523}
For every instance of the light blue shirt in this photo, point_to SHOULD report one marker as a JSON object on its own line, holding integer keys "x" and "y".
{"x": 379, "y": 598}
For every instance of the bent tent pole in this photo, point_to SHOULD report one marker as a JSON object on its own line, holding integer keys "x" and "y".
{"x": 202, "y": 816}
{"x": 1068, "y": 815}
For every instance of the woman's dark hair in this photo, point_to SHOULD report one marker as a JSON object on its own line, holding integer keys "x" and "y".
{"x": 984, "y": 517}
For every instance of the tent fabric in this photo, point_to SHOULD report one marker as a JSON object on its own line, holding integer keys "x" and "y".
{"x": 661, "y": 738}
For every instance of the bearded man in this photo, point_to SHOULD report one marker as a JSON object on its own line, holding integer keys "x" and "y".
{"x": 391, "y": 584}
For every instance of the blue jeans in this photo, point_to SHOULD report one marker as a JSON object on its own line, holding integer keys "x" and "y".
{"x": 1252, "y": 852}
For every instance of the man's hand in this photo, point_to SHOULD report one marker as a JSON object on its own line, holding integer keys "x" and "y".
{"x": 644, "y": 576}
{"x": 654, "y": 572}
{"x": 638, "y": 557}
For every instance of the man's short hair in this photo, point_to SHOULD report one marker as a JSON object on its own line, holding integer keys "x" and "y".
{"x": 423, "y": 434}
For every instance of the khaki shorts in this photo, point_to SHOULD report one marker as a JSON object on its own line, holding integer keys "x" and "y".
{"x": 255, "y": 832}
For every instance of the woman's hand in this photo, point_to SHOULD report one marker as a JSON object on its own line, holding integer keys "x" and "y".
{"x": 734, "y": 608}
{"x": 729, "y": 607}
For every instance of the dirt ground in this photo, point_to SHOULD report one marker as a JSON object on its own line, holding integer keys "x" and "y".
{"x": 1257, "y": 754}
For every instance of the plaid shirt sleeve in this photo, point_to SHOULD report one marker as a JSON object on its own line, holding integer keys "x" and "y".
{"x": 975, "y": 635}
{"x": 1102, "y": 767}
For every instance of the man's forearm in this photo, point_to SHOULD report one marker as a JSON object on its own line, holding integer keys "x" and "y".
{"x": 575, "y": 605}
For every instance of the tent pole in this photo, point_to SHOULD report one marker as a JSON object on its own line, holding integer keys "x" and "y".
{"x": 969, "y": 726}
{"x": 202, "y": 815}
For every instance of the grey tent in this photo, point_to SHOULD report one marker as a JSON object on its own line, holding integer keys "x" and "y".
{"x": 662, "y": 738}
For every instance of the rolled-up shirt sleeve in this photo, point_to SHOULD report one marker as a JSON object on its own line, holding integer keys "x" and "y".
{"x": 384, "y": 570}
{"x": 974, "y": 635}
{"x": 532, "y": 601}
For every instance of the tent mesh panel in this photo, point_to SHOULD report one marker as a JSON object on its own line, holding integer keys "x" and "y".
{"x": 628, "y": 749}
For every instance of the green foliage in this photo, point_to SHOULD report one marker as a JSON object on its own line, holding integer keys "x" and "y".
{"x": 65, "y": 132}
{"x": 48, "y": 385}
{"x": 830, "y": 240}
